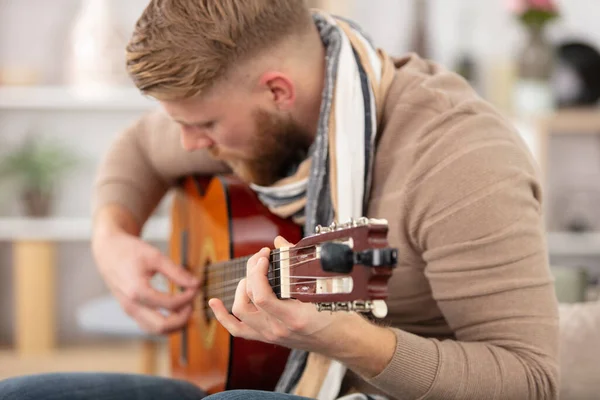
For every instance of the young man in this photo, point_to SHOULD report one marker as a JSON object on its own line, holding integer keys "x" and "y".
{"x": 285, "y": 98}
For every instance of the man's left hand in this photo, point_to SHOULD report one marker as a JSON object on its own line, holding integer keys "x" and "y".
{"x": 286, "y": 322}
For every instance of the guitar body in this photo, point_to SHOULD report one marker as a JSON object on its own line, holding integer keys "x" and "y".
{"x": 214, "y": 220}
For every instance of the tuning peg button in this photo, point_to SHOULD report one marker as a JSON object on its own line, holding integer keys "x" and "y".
{"x": 379, "y": 308}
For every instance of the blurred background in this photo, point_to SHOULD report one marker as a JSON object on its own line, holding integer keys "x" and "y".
{"x": 64, "y": 96}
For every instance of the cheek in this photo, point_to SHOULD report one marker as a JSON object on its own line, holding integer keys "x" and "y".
{"x": 237, "y": 136}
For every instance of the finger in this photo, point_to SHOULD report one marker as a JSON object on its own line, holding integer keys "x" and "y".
{"x": 175, "y": 273}
{"x": 281, "y": 242}
{"x": 264, "y": 252}
{"x": 165, "y": 324}
{"x": 259, "y": 321}
{"x": 153, "y": 298}
{"x": 242, "y": 303}
{"x": 262, "y": 292}
{"x": 287, "y": 311}
{"x": 235, "y": 327}
{"x": 153, "y": 321}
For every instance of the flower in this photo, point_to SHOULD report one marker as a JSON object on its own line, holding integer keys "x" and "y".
{"x": 544, "y": 5}
{"x": 534, "y": 13}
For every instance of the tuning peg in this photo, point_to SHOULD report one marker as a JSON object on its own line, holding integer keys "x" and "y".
{"x": 377, "y": 308}
{"x": 339, "y": 257}
{"x": 336, "y": 257}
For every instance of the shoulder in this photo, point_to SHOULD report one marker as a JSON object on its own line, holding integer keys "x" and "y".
{"x": 446, "y": 151}
{"x": 433, "y": 119}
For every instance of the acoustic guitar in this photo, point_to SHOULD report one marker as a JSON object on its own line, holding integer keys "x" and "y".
{"x": 217, "y": 224}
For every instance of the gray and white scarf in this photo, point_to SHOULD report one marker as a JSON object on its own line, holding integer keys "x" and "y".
{"x": 333, "y": 183}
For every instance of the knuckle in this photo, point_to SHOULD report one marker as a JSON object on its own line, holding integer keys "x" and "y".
{"x": 260, "y": 301}
{"x": 155, "y": 258}
{"x": 128, "y": 307}
{"x": 298, "y": 325}
{"x": 236, "y": 310}
{"x": 280, "y": 332}
{"x": 234, "y": 332}
{"x": 161, "y": 327}
{"x": 132, "y": 292}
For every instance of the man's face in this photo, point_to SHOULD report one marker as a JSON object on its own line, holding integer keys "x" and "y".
{"x": 243, "y": 129}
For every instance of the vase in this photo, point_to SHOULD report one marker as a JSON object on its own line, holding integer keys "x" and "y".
{"x": 533, "y": 87}
{"x": 96, "y": 48}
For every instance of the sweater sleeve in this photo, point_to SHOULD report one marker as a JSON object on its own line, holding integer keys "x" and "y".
{"x": 476, "y": 218}
{"x": 143, "y": 162}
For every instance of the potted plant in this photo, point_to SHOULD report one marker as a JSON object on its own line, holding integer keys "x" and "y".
{"x": 37, "y": 166}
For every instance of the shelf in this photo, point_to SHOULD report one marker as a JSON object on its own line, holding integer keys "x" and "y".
{"x": 66, "y": 98}
{"x": 574, "y": 244}
{"x": 70, "y": 229}
{"x": 584, "y": 120}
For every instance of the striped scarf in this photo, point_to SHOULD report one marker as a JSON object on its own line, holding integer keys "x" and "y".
{"x": 333, "y": 183}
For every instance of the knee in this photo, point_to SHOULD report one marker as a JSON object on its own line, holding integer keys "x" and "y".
{"x": 239, "y": 395}
{"x": 20, "y": 387}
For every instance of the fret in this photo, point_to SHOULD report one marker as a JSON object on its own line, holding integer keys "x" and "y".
{"x": 223, "y": 276}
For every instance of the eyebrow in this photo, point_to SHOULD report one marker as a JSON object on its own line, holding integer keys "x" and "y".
{"x": 198, "y": 123}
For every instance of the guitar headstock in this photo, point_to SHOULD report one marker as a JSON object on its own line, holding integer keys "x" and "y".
{"x": 342, "y": 267}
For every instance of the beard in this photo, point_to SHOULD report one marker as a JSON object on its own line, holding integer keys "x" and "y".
{"x": 280, "y": 145}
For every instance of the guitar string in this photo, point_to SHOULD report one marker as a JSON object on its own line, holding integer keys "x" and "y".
{"x": 221, "y": 268}
{"x": 221, "y": 292}
{"x": 228, "y": 271}
{"x": 232, "y": 284}
{"x": 223, "y": 271}
{"x": 237, "y": 279}
{"x": 272, "y": 253}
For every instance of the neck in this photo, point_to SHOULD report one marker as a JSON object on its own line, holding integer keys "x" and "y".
{"x": 310, "y": 66}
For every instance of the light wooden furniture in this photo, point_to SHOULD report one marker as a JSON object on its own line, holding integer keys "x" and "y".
{"x": 111, "y": 356}
{"x": 149, "y": 357}
{"x": 34, "y": 243}
{"x": 34, "y": 283}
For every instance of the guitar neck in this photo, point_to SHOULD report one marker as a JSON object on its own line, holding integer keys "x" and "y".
{"x": 222, "y": 278}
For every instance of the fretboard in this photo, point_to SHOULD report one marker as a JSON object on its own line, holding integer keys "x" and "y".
{"x": 222, "y": 278}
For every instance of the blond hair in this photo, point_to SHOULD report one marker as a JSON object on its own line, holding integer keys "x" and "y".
{"x": 179, "y": 48}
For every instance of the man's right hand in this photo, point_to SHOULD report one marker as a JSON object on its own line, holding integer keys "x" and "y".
{"x": 127, "y": 264}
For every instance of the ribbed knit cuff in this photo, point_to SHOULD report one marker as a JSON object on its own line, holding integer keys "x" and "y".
{"x": 413, "y": 368}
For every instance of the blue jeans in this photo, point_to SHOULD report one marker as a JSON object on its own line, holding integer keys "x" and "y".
{"x": 117, "y": 386}
{"x": 253, "y": 395}
{"x": 101, "y": 386}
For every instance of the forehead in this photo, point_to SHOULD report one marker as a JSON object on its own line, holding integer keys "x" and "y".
{"x": 216, "y": 103}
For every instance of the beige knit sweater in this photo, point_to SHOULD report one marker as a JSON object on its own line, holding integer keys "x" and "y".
{"x": 472, "y": 300}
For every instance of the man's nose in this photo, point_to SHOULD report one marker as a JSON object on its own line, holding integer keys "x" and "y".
{"x": 195, "y": 141}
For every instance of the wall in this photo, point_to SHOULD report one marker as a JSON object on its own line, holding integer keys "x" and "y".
{"x": 34, "y": 33}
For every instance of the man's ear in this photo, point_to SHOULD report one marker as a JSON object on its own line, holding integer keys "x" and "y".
{"x": 281, "y": 89}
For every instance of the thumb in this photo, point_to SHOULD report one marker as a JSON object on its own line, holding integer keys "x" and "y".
{"x": 281, "y": 242}
{"x": 176, "y": 273}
